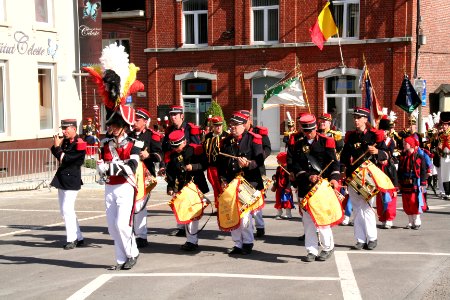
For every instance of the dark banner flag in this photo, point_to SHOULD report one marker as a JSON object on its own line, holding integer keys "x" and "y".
{"x": 407, "y": 98}
{"x": 90, "y": 31}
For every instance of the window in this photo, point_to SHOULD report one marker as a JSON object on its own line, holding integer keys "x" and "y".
{"x": 196, "y": 99}
{"x": 346, "y": 14}
{"x": 44, "y": 12}
{"x": 123, "y": 42}
{"x": 195, "y": 29}
{"x": 45, "y": 96}
{"x": 265, "y": 21}
{"x": 342, "y": 95}
{"x": 2, "y": 97}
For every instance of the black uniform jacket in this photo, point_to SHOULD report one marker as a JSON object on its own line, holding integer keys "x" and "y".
{"x": 70, "y": 156}
{"x": 249, "y": 145}
{"x": 356, "y": 144}
{"x": 153, "y": 145}
{"x": 310, "y": 159}
{"x": 178, "y": 177}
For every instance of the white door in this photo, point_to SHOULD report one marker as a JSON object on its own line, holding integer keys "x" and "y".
{"x": 270, "y": 118}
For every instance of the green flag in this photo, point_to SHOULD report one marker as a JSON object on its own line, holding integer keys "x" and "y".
{"x": 288, "y": 93}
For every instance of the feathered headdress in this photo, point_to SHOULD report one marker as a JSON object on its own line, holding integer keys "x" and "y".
{"x": 115, "y": 77}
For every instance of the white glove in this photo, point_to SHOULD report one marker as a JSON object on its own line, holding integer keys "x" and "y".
{"x": 115, "y": 167}
{"x": 102, "y": 167}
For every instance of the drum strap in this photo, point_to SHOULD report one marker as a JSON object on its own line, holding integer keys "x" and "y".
{"x": 207, "y": 220}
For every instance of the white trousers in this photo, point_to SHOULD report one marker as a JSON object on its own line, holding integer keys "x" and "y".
{"x": 414, "y": 220}
{"x": 364, "y": 222}
{"x": 140, "y": 223}
{"x": 192, "y": 228}
{"x": 311, "y": 240}
{"x": 119, "y": 202}
{"x": 67, "y": 208}
{"x": 243, "y": 234}
{"x": 259, "y": 221}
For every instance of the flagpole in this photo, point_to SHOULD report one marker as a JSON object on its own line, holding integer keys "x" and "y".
{"x": 340, "y": 49}
{"x": 304, "y": 91}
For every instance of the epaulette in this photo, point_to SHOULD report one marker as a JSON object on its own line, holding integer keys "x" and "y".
{"x": 287, "y": 133}
{"x": 262, "y": 130}
{"x": 347, "y": 135}
{"x": 329, "y": 141}
{"x": 156, "y": 136}
{"x": 81, "y": 144}
{"x": 198, "y": 149}
{"x": 336, "y": 134}
{"x": 379, "y": 134}
{"x": 257, "y": 139}
{"x": 194, "y": 129}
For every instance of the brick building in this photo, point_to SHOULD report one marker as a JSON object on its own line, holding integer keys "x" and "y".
{"x": 196, "y": 51}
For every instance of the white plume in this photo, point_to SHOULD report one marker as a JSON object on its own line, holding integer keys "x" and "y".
{"x": 288, "y": 114}
{"x": 436, "y": 117}
{"x": 115, "y": 58}
{"x": 392, "y": 116}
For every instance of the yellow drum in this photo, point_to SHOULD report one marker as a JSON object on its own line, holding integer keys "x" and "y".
{"x": 188, "y": 204}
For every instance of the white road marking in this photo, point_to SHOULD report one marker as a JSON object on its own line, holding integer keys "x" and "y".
{"x": 49, "y": 210}
{"x": 348, "y": 282}
{"x": 50, "y": 225}
{"x": 92, "y": 286}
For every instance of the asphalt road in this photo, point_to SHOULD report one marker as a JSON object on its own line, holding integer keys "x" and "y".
{"x": 407, "y": 264}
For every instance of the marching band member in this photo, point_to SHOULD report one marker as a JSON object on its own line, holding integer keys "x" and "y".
{"x": 282, "y": 188}
{"x": 387, "y": 204}
{"x": 151, "y": 153}
{"x": 211, "y": 146}
{"x": 69, "y": 152}
{"x": 267, "y": 149}
{"x": 119, "y": 163}
{"x": 287, "y": 134}
{"x": 186, "y": 163}
{"x": 311, "y": 155}
{"x": 325, "y": 121}
{"x": 412, "y": 175}
{"x": 247, "y": 147}
{"x": 359, "y": 145}
{"x": 192, "y": 134}
{"x": 444, "y": 153}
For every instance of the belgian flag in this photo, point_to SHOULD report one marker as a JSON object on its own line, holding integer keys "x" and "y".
{"x": 325, "y": 26}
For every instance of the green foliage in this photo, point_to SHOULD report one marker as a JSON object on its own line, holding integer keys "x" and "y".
{"x": 216, "y": 110}
{"x": 90, "y": 163}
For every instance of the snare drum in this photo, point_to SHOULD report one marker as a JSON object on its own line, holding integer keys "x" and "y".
{"x": 266, "y": 182}
{"x": 145, "y": 183}
{"x": 324, "y": 204}
{"x": 368, "y": 180}
{"x": 188, "y": 204}
{"x": 237, "y": 199}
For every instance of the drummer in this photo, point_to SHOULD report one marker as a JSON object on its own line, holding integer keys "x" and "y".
{"x": 310, "y": 157}
{"x": 247, "y": 147}
{"x": 186, "y": 163}
{"x": 359, "y": 145}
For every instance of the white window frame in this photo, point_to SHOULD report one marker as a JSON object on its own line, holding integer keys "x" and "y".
{"x": 197, "y": 99}
{"x": 52, "y": 68}
{"x": 266, "y": 22}
{"x": 2, "y": 11}
{"x": 4, "y": 116}
{"x": 196, "y": 14}
{"x": 50, "y": 22}
{"x": 345, "y": 18}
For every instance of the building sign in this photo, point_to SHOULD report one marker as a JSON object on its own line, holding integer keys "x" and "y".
{"x": 90, "y": 31}
{"x": 22, "y": 45}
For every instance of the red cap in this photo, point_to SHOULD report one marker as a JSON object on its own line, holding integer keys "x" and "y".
{"x": 142, "y": 113}
{"x": 176, "y": 137}
{"x": 89, "y": 119}
{"x": 239, "y": 118}
{"x": 245, "y": 112}
{"x": 281, "y": 157}
{"x": 176, "y": 109}
{"x": 412, "y": 141}
{"x": 308, "y": 122}
{"x": 217, "y": 120}
{"x": 326, "y": 117}
{"x": 361, "y": 111}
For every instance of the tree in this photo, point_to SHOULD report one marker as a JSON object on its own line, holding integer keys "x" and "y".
{"x": 215, "y": 110}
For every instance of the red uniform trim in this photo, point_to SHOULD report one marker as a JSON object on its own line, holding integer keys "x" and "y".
{"x": 257, "y": 139}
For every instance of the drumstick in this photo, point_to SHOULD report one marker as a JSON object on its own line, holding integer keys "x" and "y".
{"x": 329, "y": 164}
{"x": 228, "y": 155}
{"x": 289, "y": 173}
{"x": 362, "y": 155}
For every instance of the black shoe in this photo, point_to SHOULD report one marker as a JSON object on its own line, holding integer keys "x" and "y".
{"x": 74, "y": 244}
{"x": 301, "y": 238}
{"x": 324, "y": 255}
{"x": 117, "y": 267}
{"x": 130, "y": 263}
{"x": 359, "y": 246}
{"x": 409, "y": 226}
{"x": 260, "y": 232}
{"x": 234, "y": 250}
{"x": 188, "y": 246}
{"x": 247, "y": 248}
{"x": 141, "y": 243}
{"x": 310, "y": 257}
{"x": 372, "y": 245}
{"x": 416, "y": 227}
{"x": 178, "y": 232}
